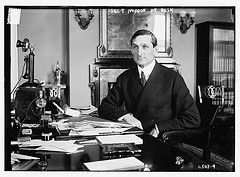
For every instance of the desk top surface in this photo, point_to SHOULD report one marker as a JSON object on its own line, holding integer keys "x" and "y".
{"x": 158, "y": 155}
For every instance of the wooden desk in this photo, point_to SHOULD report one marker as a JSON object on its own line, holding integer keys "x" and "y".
{"x": 158, "y": 156}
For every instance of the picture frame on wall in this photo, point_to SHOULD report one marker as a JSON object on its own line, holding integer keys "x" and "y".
{"x": 118, "y": 25}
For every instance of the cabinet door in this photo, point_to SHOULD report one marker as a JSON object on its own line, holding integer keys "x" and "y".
{"x": 223, "y": 67}
{"x": 216, "y": 59}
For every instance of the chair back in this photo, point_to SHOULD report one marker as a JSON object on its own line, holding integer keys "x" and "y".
{"x": 211, "y": 94}
{"x": 201, "y": 137}
{"x": 208, "y": 114}
{"x": 211, "y": 100}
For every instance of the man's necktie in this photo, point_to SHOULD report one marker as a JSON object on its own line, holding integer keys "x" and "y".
{"x": 143, "y": 79}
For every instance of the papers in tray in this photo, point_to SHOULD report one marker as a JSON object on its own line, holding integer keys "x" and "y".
{"x": 119, "y": 139}
{"x": 121, "y": 164}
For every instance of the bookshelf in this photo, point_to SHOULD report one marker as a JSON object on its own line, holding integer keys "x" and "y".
{"x": 216, "y": 59}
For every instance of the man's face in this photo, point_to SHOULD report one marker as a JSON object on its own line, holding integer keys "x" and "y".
{"x": 143, "y": 50}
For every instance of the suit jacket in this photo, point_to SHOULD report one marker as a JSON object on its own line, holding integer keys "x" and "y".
{"x": 164, "y": 100}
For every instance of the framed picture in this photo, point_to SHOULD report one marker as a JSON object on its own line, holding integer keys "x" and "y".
{"x": 118, "y": 25}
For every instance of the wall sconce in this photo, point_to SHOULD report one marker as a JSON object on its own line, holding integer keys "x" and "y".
{"x": 185, "y": 20}
{"x": 83, "y": 17}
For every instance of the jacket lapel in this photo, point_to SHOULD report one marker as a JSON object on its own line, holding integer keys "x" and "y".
{"x": 152, "y": 86}
{"x": 135, "y": 87}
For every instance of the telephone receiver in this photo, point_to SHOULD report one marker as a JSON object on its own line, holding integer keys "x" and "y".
{"x": 29, "y": 60}
{"x": 25, "y": 44}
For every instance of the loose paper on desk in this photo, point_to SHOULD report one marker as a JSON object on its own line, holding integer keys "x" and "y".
{"x": 15, "y": 157}
{"x": 60, "y": 146}
{"x": 128, "y": 163}
{"x": 119, "y": 139}
{"x": 22, "y": 156}
{"x": 92, "y": 127}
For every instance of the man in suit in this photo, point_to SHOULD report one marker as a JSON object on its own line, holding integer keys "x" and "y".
{"x": 155, "y": 98}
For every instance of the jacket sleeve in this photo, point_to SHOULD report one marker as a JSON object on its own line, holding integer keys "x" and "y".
{"x": 111, "y": 106}
{"x": 185, "y": 112}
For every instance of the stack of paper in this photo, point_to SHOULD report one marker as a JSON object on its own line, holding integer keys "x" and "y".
{"x": 119, "y": 139}
{"x": 88, "y": 126}
{"x": 128, "y": 163}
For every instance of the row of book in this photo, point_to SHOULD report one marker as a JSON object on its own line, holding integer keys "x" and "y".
{"x": 223, "y": 34}
{"x": 229, "y": 102}
{"x": 229, "y": 110}
{"x": 223, "y": 49}
{"x": 223, "y": 64}
{"x": 225, "y": 79}
{"x": 228, "y": 99}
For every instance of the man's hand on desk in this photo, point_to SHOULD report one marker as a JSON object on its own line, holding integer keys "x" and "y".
{"x": 131, "y": 120}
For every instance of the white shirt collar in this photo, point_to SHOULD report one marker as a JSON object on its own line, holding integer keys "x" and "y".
{"x": 147, "y": 70}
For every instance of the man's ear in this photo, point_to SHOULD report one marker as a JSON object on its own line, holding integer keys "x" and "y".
{"x": 155, "y": 50}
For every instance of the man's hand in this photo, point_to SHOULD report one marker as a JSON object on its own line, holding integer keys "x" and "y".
{"x": 132, "y": 120}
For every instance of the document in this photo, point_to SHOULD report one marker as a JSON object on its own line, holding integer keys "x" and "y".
{"x": 119, "y": 139}
{"x": 22, "y": 162}
{"x": 22, "y": 156}
{"x": 59, "y": 146}
{"x": 121, "y": 164}
{"x": 94, "y": 126}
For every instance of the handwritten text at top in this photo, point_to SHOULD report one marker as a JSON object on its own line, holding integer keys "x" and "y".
{"x": 153, "y": 10}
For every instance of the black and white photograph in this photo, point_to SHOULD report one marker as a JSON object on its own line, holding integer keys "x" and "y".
{"x": 101, "y": 89}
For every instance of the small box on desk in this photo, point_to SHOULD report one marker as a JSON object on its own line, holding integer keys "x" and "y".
{"x": 121, "y": 164}
{"x": 119, "y": 139}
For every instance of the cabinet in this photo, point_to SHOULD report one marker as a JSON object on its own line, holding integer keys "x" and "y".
{"x": 216, "y": 59}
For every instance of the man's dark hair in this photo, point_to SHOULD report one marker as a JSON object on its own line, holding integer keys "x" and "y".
{"x": 145, "y": 32}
